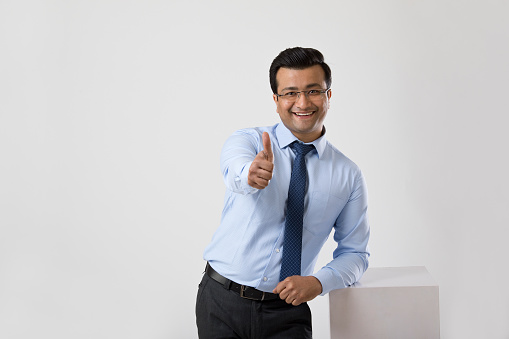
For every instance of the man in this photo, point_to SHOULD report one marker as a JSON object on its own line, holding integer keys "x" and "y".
{"x": 287, "y": 188}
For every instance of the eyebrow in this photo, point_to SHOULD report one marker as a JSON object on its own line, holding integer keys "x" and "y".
{"x": 293, "y": 88}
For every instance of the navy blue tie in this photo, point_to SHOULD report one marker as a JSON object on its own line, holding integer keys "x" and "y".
{"x": 292, "y": 243}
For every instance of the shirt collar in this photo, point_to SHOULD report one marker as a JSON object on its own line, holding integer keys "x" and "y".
{"x": 285, "y": 138}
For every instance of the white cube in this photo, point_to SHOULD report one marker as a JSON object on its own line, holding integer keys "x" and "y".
{"x": 387, "y": 303}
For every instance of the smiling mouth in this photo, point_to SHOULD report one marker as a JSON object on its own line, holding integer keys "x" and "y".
{"x": 303, "y": 114}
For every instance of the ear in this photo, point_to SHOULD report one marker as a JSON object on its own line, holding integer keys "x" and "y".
{"x": 276, "y": 101}
{"x": 329, "y": 94}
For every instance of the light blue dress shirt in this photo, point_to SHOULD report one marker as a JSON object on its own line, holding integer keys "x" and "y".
{"x": 248, "y": 245}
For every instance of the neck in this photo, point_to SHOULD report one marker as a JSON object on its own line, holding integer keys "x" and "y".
{"x": 305, "y": 138}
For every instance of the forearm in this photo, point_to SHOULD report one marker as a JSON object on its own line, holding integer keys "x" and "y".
{"x": 235, "y": 178}
{"x": 236, "y": 157}
{"x": 342, "y": 272}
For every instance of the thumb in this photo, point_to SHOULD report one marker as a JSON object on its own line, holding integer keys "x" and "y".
{"x": 267, "y": 146}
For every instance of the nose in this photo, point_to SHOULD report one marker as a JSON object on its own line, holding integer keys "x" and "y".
{"x": 302, "y": 99}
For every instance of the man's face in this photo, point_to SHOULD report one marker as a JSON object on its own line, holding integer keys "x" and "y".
{"x": 303, "y": 117}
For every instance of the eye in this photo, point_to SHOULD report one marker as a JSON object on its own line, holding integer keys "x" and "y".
{"x": 313, "y": 92}
{"x": 290, "y": 94}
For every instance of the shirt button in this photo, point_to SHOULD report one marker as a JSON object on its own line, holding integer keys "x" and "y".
{"x": 265, "y": 279}
{"x": 277, "y": 250}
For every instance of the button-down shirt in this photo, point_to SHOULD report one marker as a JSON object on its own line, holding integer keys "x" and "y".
{"x": 247, "y": 247}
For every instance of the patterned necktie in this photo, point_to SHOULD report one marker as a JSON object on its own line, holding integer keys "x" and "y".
{"x": 292, "y": 245}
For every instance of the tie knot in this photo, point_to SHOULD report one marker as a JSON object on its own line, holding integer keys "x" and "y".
{"x": 302, "y": 149}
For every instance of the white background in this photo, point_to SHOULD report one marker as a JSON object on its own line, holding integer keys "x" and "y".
{"x": 113, "y": 114}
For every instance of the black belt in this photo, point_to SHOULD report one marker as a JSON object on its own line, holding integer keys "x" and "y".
{"x": 245, "y": 292}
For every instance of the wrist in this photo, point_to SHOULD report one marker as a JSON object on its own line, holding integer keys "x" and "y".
{"x": 317, "y": 284}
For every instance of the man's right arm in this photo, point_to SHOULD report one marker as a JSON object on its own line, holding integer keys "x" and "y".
{"x": 245, "y": 169}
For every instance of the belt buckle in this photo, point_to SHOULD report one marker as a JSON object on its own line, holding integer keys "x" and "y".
{"x": 242, "y": 295}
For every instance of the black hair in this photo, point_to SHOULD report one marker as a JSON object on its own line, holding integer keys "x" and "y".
{"x": 298, "y": 58}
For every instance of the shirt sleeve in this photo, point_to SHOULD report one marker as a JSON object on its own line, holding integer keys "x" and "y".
{"x": 237, "y": 154}
{"x": 351, "y": 232}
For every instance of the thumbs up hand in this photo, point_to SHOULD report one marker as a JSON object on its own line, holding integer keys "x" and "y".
{"x": 262, "y": 166}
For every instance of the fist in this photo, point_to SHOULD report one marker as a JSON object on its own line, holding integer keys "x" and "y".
{"x": 262, "y": 166}
{"x": 296, "y": 290}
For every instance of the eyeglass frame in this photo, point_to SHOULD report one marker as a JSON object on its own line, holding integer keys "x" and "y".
{"x": 306, "y": 93}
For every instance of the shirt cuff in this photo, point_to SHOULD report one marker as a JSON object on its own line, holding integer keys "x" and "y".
{"x": 329, "y": 280}
{"x": 241, "y": 180}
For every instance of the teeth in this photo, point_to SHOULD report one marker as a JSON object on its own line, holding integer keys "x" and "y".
{"x": 300, "y": 114}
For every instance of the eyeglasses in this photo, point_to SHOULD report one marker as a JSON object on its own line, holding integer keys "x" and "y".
{"x": 312, "y": 94}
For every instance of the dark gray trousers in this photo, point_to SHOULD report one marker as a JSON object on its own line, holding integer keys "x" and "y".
{"x": 221, "y": 313}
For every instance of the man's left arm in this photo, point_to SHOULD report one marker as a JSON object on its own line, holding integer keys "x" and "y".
{"x": 351, "y": 232}
{"x": 350, "y": 257}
